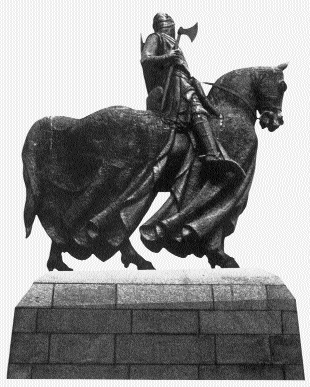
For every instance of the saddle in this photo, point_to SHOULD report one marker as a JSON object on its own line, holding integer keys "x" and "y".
{"x": 154, "y": 98}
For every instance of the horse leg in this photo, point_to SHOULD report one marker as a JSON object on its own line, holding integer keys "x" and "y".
{"x": 129, "y": 255}
{"x": 55, "y": 259}
{"x": 220, "y": 258}
{"x": 215, "y": 252}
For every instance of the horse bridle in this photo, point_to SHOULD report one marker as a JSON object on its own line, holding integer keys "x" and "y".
{"x": 233, "y": 92}
{"x": 236, "y": 94}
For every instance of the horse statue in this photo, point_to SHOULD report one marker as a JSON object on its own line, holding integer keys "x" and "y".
{"x": 90, "y": 181}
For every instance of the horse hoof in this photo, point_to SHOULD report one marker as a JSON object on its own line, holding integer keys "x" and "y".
{"x": 146, "y": 265}
{"x": 229, "y": 263}
{"x": 125, "y": 261}
{"x": 223, "y": 262}
{"x": 58, "y": 266}
{"x": 212, "y": 263}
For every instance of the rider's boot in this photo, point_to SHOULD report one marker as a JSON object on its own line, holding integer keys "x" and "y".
{"x": 217, "y": 160}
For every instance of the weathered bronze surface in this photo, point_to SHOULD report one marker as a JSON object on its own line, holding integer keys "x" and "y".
{"x": 91, "y": 180}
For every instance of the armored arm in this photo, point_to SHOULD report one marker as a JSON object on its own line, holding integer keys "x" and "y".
{"x": 150, "y": 54}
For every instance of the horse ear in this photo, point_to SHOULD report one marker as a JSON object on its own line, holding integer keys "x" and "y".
{"x": 282, "y": 66}
{"x": 141, "y": 43}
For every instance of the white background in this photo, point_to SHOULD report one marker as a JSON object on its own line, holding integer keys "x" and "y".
{"x": 72, "y": 58}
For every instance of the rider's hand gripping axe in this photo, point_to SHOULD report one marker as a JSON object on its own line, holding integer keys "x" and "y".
{"x": 191, "y": 33}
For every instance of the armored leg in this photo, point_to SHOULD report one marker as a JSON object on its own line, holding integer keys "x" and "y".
{"x": 218, "y": 161}
{"x": 206, "y": 140}
{"x": 203, "y": 98}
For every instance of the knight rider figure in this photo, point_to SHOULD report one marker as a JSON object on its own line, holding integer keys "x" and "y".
{"x": 186, "y": 104}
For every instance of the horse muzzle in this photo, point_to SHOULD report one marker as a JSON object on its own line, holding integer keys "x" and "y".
{"x": 271, "y": 120}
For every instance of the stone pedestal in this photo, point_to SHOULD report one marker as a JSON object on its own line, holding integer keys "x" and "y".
{"x": 220, "y": 324}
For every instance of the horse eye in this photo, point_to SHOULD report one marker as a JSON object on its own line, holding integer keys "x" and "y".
{"x": 282, "y": 86}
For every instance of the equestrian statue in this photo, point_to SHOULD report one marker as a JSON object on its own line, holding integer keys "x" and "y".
{"x": 90, "y": 181}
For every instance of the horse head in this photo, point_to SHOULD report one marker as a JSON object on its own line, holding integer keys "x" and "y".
{"x": 270, "y": 89}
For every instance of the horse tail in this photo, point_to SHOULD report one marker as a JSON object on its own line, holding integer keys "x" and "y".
{"x": 30, "y": 207}
{"x": 30, "y": 172}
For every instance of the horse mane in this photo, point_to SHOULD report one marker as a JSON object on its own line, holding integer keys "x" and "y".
{"x": 258, "y": 71}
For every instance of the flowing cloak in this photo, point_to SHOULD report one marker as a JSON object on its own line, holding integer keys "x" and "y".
{"x": 91, "y": 181}
{"x": 206, "y": 207}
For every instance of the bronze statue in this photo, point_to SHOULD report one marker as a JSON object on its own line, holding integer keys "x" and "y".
{"x": 91, "y": 180}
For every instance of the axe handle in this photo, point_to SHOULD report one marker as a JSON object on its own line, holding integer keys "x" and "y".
{"x": 176, "y": 46}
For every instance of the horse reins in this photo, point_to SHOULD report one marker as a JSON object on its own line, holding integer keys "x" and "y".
{"x": 236, "y": 95}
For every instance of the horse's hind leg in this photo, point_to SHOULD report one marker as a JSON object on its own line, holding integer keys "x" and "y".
{"x": 55, "y": 259}
{"x": 129, "y": 255}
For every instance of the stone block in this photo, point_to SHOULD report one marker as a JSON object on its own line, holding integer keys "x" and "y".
{"x": 84, "y": 295}
{"x": 38, "y": 296}
{"x": 248, "y": 349}
{"x": 29, "y": 348}
{"x": 155, "y": 321}
{"x": 164, "y": 296}
{"x": 167, "y": 277}
{"x": 249, "y": 297}
{"x": 290, "y": 322}
{"x": 280, "y": 298}
{"x": 286, "y": 349}
{"x": 19, "y": 371}
{"x": 240, "y": 322}
{"x": 81, "y": 348}
{"x": 241, "y": 372}
{"x": 220, "y": 324}
{"x": 223, "y": 298}
{"x": 25, "y": 320}
{"x": 84, "y": 321}
{"x": 165, "y": 349}
{"x": 294, "y": 372}
{"x": 167, "y": 372}
{"x": 69, "y": 371}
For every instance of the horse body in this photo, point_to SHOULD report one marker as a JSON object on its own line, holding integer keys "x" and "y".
{"x": 91, "y": 181}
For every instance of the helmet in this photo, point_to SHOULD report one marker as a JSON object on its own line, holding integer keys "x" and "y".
{"x": 162, "y": 20}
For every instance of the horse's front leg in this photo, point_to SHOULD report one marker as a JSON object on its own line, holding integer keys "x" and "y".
{"x": 129, "y": 255}
{"x": 55, "y": 259}
{"x": 220, "y": 258}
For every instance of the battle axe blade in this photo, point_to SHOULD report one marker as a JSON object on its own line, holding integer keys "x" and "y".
{"x": 191, "y": 33}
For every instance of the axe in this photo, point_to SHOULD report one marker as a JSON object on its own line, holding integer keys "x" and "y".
{"x": 191, "y": 33}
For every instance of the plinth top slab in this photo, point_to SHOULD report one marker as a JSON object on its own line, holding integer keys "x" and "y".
{"x": 218, "y": 277}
